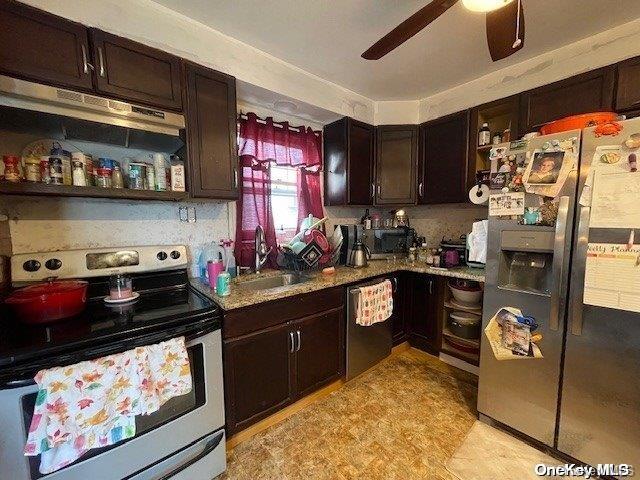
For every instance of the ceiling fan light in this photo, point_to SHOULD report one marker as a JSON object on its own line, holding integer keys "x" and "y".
{"x": 485, "y": 5}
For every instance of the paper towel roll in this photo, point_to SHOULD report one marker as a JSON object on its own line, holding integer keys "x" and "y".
{"x": 479, "y": 194}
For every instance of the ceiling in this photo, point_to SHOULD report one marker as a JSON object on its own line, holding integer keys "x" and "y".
{"x": 327, "y": 37}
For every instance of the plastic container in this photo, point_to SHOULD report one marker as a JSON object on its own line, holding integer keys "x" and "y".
{"x": 575, "y": 122}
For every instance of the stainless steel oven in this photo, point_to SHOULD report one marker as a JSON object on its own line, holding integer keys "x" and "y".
{"x": 183, "y": 440}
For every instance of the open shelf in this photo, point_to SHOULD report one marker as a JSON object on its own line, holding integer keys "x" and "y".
{"x": 471, "y": 358}
{"x": 42, "y": 189}
{"x": 467, "y": 341}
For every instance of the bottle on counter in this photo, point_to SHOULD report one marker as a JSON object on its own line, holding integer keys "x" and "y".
{"x": 429, "y": 257}
{"x": 223, "y": 284}
{"x": 366, "y": 220}
{"x": 412, "y": 255}
{"x": 422, "y": 253}
{"x": 436, "y": 258}
{"x": 484, "y": 135}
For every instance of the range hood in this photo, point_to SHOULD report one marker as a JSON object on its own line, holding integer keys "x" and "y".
{"x": 79, "y": 106}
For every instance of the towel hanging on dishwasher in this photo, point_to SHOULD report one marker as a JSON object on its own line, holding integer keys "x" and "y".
{"x": 375, "y": 303}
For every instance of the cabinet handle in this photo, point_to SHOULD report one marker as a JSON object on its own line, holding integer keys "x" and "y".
{"x": 421, "y": 189}
{"x": 373, "y": 189}
{"x": 395, "y": 284}
{"x": 299, "y": 340}
{"x": 430, "y": 286}
{"x": 378, "y": 190}
{"x": 85, "y": 65}
{"x": 293, "y": 343}
{"x": 235, "y": 178}
{"x": 101, "y": 59}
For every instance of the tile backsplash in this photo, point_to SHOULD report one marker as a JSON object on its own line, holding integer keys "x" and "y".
{"x": 430, "y": 221}
{"x": 47, "y": 224}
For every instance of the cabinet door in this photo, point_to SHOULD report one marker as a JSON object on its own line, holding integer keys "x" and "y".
{"x": 398, "y": 317}
{"x": 443, "y": 166}
{"x": 396, "y": 162}
{"x": 136, "y": 72}
{"x": 587, "y": 92}
{"x": 36, "y": 45}
{"x": 628, "y": 86}
{"x": 423, "y": 318}
{"x": 258, "y": 376}
{"x": 319, "y": 356}
{"x": 211, "y": 133}
{"x": 360, "y": 166}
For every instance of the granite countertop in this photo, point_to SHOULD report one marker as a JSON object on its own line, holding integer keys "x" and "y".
{"x": 241, "y": 296}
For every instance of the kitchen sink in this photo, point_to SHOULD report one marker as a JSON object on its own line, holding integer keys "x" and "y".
{"x": 276, "y": 281}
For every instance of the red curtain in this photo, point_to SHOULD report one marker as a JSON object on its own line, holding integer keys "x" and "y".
{"x": 261, "y": 144}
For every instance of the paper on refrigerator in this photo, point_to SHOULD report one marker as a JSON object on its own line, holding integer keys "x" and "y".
{"x": 612, "y": 276}
{"x": 615, "y": 201}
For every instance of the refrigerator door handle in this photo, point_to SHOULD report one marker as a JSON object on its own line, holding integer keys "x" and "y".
{"x": 578, "y": 271}
{"x": 558, "y": 262}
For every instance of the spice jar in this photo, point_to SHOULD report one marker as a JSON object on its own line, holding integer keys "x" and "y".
{"x": 116, "y": 177}
{"x": 11, "y": 169}
{"x": 65, "y": 162}
{"x": 104, "y": 178}
{"x": 32, "y": 169}
{"x": 137, "y": 175}
{"x": 55, "y": 171}
{"x": 44, "y": 169}
{"x": 78, "y": 174}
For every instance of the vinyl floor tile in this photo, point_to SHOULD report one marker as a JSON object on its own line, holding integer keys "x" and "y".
{"x": 403, "y": 419}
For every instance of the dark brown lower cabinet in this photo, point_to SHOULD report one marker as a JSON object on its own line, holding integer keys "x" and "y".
{"x": 258, "y": 375}
{"x": 270, "y": 368}
{"x": 398, "y": 317}
{"x": 424, "y": 301}
{"x": 318, "y": 360}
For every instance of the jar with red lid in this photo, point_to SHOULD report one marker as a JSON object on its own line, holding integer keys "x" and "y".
{"x": 11, "y": 168}
{"x": 103, "y": 178}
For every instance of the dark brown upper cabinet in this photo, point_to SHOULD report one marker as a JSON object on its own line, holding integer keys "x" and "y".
{"x": 444, "y": 149}
{"x": 211, "y": 133}
{"x": 396, "y": 164}
{"x": 38, "y": 46}
{"x": 348, "y": 158}
{"x": 587, "y": 92}
{"x": 627, "y": 97}
{"x": 136, "y": 72}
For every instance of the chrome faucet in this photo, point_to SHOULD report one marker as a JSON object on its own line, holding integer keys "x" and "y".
{"x": 261, "y": 252}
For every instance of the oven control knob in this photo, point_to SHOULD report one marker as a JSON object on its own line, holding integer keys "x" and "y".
{"x": 175, "y": 254}
{"x": 162, "y": 256}
{"x": 53, "y": 264}
{"x": 31, "y": 265}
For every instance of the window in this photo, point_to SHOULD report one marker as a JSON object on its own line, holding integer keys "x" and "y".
{"x": 284, "y": 201}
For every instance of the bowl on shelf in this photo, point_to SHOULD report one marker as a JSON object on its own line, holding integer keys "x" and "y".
{"x": 466, "y": 295}
{"x": 464, "y": 325}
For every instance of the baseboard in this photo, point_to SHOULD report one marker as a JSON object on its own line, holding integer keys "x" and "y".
{"x": 461, "y": 364}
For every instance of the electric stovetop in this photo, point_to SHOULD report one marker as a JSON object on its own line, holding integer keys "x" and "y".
{"x": 167, "y": 308}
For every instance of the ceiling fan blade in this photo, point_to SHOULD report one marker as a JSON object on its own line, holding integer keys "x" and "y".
{"x": 407, "y": 29}
{"x": 502, "y": 25}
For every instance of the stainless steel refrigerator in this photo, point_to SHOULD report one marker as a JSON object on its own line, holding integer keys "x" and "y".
{"x": 583, "y": 397}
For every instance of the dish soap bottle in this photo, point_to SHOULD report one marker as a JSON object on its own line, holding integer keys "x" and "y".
{"x": 484, "y": 135}
{"x": 366, "y": 220}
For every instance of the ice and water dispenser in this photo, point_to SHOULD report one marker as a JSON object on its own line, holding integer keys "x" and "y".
{"x": 526, "y": 259}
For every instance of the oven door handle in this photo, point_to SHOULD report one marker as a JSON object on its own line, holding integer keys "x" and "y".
{"x": 208, "y": 448}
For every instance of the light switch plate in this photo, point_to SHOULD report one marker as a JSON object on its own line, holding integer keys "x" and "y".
{"x": 187, "y": 214}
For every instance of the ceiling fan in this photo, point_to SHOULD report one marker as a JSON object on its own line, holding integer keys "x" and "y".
{"x": 505, "y": 26}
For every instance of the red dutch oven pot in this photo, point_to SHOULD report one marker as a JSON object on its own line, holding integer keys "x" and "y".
{"x": 49, "y": 301}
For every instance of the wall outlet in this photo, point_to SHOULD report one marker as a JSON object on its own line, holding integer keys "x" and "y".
{"x": 187, "y": 214}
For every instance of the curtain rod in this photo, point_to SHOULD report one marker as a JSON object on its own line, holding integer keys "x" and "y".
{"x": 278, "y": 124}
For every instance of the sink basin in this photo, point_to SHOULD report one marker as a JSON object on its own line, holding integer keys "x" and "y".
{"x": 276, "y": 281}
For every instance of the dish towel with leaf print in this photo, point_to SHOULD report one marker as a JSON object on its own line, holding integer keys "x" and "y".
{"x": 93, "y": 404}
{"x": 375, "y": 303}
